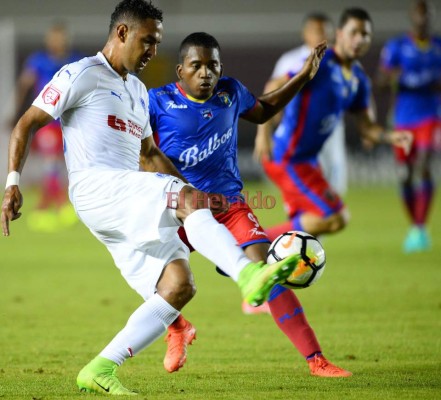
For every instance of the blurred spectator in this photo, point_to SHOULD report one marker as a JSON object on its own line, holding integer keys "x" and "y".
{"x": 53, "y": 209}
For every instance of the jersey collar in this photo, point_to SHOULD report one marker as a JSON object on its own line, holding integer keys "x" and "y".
{"x": 103, "y": 58}
{"x": 182, "y": 91}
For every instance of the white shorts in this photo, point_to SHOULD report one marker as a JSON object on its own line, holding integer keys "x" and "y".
{"x": 127, "y": 211}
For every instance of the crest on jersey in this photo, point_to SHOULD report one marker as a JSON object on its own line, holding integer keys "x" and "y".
{"x": 143, "y": 105}
{"x": 207, "y": 113}
{"x": 51, "y": 95}
{"x": 225, "y": 98}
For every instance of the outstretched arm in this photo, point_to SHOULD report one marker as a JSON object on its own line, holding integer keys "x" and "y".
{"x": 376, "y": 134}
{"x": 21, "y": 137}
{"x": 271, "y": 103}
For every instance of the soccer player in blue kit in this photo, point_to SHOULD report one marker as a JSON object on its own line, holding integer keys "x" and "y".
{"x": 290, "y": 157}
{"x": 411, "y": 64}
{"x": 38, "y": 70}
{"x": 194, "y": 122}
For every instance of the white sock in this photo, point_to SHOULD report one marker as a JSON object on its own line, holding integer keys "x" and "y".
{"x": 144, "y": 326}
{"x": 215, "y": 242}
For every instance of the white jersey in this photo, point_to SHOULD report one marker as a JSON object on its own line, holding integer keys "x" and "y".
{"x": 291, "y": 61}
{"x": 103, "y": 117}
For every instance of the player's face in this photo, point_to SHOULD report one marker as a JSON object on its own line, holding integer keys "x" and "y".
{"x": 141, "y": 44}
{"x": 315, "y": 32}
{"x": 354, "y": 39}
{"x": 420, "y": 14}
{"x": 200, "y": 71}
{"x": 57, "y": 42}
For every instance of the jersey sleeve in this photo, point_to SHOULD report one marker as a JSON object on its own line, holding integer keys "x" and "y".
{"x": 69, "y": 88}
{"x": 362, "y": 98}
{"x": 247, "y": 100}
{"x": 389, "y": 58}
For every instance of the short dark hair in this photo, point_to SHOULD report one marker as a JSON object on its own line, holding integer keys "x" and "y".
{"x": 134, "y": 10}
{"x": 316, "y": 16}
{"x": 198, "y": 39}
{"x": 357, "y": 13}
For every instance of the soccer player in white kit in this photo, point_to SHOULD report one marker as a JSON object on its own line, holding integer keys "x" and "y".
{"x": 104, "y": 115}
{"x": 333, "y": 160}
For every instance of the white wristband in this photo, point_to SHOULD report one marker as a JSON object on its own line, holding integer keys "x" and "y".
{"x": 12, "y": 179}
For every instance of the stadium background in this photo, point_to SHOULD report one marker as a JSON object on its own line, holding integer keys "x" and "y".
{"x": 252, "y": 34}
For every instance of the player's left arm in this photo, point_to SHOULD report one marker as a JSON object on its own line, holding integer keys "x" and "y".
{"x": 271, "y": 103}
{"x": 152, "y": 159}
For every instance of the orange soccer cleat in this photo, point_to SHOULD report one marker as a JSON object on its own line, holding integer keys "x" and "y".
{"x": 320, "y": 366}
{"x": 180, "y": 334}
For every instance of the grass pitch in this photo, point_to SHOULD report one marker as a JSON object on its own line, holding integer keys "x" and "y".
{"x": 376, "y": 312}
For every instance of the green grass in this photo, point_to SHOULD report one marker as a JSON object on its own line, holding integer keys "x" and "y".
{"x": 376, "y": 312}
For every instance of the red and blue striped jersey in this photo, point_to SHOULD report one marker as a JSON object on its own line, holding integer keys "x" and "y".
{"x": 310, "y": 118}
{"x": 417, "y": 98}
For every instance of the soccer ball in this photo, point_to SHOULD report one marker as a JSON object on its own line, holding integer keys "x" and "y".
{"x": 313, "y": 261}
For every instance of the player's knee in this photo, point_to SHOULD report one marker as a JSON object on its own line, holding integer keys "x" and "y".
{"x": 179, "y": 293}
{"x": 338, "y": 221}
{"x": 190, "y": 200}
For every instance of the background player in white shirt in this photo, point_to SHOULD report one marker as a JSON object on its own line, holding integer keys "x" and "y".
{"x": 316, "y": 28}
{"x": 103, "y": 110}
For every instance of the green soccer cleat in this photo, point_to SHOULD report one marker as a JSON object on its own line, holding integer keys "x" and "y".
{"x": 99, "y": 376}
{"x": 256, "y": 280}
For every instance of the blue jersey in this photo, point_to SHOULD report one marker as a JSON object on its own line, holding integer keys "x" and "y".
{"x": 200, "y": 138}
{"x": 310, "y": 118}
{"x": 44, "y": 66}
{"x": 420, "y": 72}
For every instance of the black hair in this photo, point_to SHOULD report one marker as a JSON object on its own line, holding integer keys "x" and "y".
{"x": 134, "y": 10}
{"x": 357, "y": 13}
{"x": 316, "y": 16}
{"x": 198, "y": 39}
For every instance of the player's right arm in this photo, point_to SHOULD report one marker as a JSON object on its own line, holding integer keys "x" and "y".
{"x": 152, "y": 159}
{"x": 32, "y": 120}
{"x": 376, "y": 134}
{"x": 389, "y": 69}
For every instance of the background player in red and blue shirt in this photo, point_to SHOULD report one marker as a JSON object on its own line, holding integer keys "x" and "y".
{"x": 411, "y": 64}
{"x": 290, "y": 158}
{"x": 195, "y": 124}
{"x": 38, "y": 70}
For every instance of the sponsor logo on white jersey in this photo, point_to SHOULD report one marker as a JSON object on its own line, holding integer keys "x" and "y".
{"x": 118, "y": 95}
{"x": 193, "y": 155}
